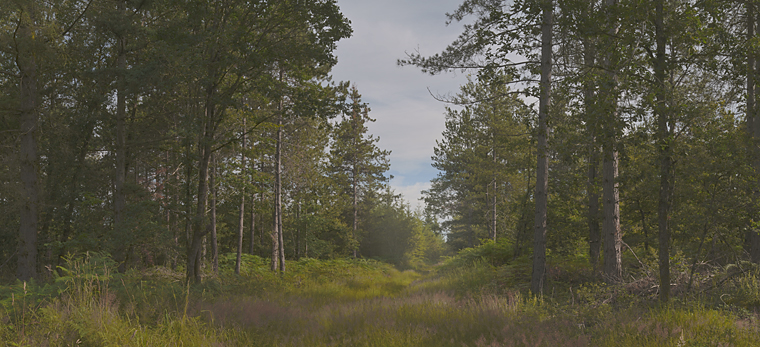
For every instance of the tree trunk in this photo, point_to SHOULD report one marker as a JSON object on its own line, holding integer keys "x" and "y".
{"x": 214, "y": 241}
{"x": 253, "y": 223}
{"x": 592, "y": 194}
{"x": 275, "y": 240}
{"x": 298, "y": 231}
{"x": 188, "y": 195}
{"x": 205, "y": 148}
{"x": 121, "y": 159}
{"x": 241, "y": 222}
{"x": 493, "y": 211}
{"x": 354, "y": 172}
{"x": 27, "y": 65}
{"x": 542, "y": 167}
{"x": 753, "y": 128}
{"x": 611, "y": 224}
{"x": 355, "y": 206}
{"x": 611, "y": 198}
{"x": 750, "y": 117}
{"x": 278, "y": 256}
{"x": 664, "y": 145}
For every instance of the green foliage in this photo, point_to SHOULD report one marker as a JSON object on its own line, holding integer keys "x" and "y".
{"x": 482, "y": 161}
{"x": 352, "y": 302}
{"x": 495, "y": 253}
{"x": 396, "y": 235}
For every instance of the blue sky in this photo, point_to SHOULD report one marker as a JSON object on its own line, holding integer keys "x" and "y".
{"x": 409, "y": 119}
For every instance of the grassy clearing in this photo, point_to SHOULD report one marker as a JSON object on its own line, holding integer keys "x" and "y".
{"x": 471, "y": 300}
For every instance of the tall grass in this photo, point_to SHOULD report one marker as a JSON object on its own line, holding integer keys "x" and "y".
{"x": 466, "y": 302}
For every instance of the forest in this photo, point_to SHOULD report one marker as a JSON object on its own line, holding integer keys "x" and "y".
{"x": 187, "y": 172}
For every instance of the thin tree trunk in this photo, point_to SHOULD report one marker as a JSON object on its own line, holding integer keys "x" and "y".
{"x": 493, "y": 211}
{"x": 298, "y": 231}
{"x": 592, "y": 194}
{"x": 610, "y": 193}
{"x": 241, "y": 222}
{"x": 253, "y": 223}
{"x": 205, "y": 148}
{"x": 74, "y": 191}
{"x": 278, "y": 256}
{"x": 663, "y": 139}
{"x": 753, "y": 126}
{"x": 542, "y": 167}
{"x": 261, "y": 202}
{"x": 28, "y": 216}
{"x": 750, "y": 68}
{"x": 275, "y": 240}
{"x": 355, "y": 207}
{"x": 121, "y": 159}
{"x": 281, "y": 241}
{"x": 188, "y": 195}
{"x": 354, "y": 169}
{"x": 611, "y": 224}
{"x": 214, "y": 241}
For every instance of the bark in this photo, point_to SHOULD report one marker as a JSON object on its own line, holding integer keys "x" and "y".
{"x": 542, "y": 167}
{"x": 355, "y": 205}
{"x": 354, "y": 172}
{"x": 750, "y": 69}
{"x": 198, "y": 229}
{"x": 241, "y": 222}
{"x": 753, "y": 126}
{"x": 188, "y": 195}
{"x": 298, "y": 232}
{"x": 28, "y": 216}
{"x": 611, "y": 224}
{"x": 74, "y": 191}
{"x": 592, "y": 194}
{"x": 493, "y": 220}
{"x": 278, "y": 256}
{"x": 275, "y": 240}
{"x": 663, "y": 139}
{"x": 253, "y": 225}
{"x": 610, "y": 192}
{"x": 121, "y": 159}
{"x": 280, "y": 240}
{"x": 214, "y": 241}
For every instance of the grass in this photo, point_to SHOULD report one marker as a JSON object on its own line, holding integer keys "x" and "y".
{"x": 471, "y": 300}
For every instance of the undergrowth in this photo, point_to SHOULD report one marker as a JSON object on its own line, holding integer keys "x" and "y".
{"x": 478, "y": 298}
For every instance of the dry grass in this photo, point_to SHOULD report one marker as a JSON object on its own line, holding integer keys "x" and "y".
{"x": 347, "y": 303}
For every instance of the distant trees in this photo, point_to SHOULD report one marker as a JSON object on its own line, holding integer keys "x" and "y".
{"x": 355, "y": 159}
{"x": 141, "y": 129}
{"x": 481, "y": 158}
{"x": 647, "y": 90}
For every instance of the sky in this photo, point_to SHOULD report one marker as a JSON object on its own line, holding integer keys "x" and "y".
{"x": 409, "y": 119}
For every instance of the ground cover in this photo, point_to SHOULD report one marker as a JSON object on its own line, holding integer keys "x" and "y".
{"x": 475, "y": 299}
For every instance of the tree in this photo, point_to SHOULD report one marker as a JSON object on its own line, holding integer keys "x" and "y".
{"x": 32, "y": 30}
{"x": 484, "y": 149}
{"x": 542, "y": 169}
{"x": 27, "y": 63}
{"x": 611, "y": 126}
{"x": 289, "y": 34}
{"x": 356, "y": 160}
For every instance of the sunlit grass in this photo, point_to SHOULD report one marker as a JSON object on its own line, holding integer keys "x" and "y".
{"x": 361, "y": 303}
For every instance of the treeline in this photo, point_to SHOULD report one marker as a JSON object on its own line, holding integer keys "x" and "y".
{"x": 645, "y": 135}
{"x": 167, "y": 132}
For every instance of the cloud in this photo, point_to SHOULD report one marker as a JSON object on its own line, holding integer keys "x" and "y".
{"x": 412, "y": 193}
{"x": 409, "y": 119}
